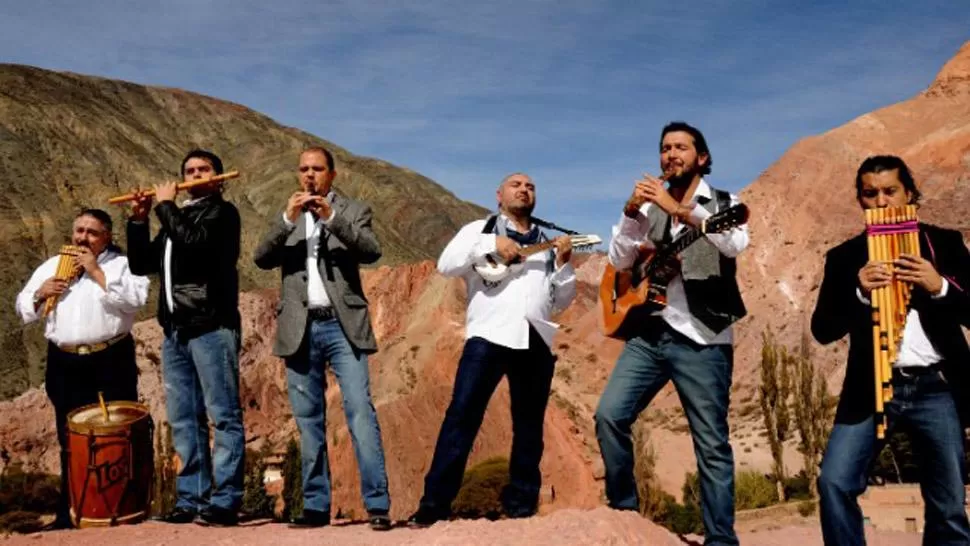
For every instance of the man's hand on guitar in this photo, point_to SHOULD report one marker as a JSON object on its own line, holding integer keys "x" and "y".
{"x": 874, "y": 275}
{"x": 507, "y": 248}
{"x": 564, "y": 250}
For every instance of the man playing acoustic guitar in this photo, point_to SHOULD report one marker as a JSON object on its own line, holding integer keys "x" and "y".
{"x": 689, "y": 340}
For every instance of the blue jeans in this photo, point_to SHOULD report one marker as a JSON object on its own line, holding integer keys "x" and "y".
{"x": 306, "y": 382}
{"x": 480, "y": 369}
{"x": 201, "y": 376}
{"x": 923, "y": 404}
{"x": 702, "y": 377}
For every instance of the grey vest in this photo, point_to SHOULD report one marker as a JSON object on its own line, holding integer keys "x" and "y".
{"x": 713, "y": 296}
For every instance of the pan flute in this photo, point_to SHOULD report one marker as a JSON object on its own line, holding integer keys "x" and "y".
{"x": 890, "y": 232}
{"x": 66, "y": 270}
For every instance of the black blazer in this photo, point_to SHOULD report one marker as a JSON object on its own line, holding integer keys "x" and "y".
{"x": 839, "y": 312}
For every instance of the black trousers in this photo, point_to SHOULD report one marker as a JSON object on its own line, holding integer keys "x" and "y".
{"x": 74, "y": 380}
{"x": 480, "y": 369}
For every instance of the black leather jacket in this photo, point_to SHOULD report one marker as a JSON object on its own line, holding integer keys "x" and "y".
{"x": 205, "y": 249}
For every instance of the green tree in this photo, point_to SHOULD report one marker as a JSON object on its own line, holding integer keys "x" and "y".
{"x": 775, "y": 390}
{"x": 814, "y": 408}
{"x": 292, "y": 481}
{"x": 256, "y": 502}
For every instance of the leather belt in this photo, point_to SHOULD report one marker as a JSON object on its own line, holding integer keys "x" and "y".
{"x": 88, "y": 348}
{"x": 321, "y": 313}
{"x": 915, "y": 371}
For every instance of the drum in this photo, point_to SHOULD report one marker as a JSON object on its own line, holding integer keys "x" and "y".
{"x": 110, "y": 463}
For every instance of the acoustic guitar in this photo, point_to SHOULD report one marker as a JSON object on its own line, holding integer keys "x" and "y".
{"x": 643, "y": 288}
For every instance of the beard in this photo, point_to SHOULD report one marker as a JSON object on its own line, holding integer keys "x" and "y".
{"x": 521, "y": 209}
{"x": 686, "y": 175}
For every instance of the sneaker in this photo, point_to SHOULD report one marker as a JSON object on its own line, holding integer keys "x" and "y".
{"x": 379, "y": 521}
{"x": 215, "y": 516}
{"x": 310, "y": 519}
{"x": 425, "y": 517}
{"x": 177, "y": 516}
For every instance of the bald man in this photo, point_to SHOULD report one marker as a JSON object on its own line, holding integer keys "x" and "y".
{"x": 508, "y": 333}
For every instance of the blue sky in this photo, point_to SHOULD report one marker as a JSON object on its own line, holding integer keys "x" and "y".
{"x": 572, "y": 92}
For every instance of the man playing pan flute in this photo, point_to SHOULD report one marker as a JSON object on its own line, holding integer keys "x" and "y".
{"x": 94, "y": 297}
{"x": 689, "y": 342}
{"x": 929, "y": 375}
{"x": 195, "y": 255}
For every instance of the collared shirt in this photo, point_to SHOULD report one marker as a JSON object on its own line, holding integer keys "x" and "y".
{"x": 316, "y": 291}
{"x": 86, "y": 313}
{"x": 630, "y": 234}
{"x": 915, "y": 348}
{"x": 502, "y": 313}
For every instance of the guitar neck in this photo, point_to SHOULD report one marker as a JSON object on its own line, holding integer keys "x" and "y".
{"x": 675, "y": 247}
{"x": 536, "y": 248}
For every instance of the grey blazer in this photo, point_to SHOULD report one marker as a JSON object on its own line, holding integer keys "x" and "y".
{"x": 346, "y": 243}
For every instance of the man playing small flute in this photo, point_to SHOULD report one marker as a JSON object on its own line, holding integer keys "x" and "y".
{"x": 318, "y": 242}
{"x": 90, "y": 348}
{"x": 195, "y": 255}
{"x": 689, "y": 342}
{"x": 929, "y": 377}
{"x": 507, "y": 333}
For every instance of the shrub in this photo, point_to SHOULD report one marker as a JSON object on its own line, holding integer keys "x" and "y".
{"x": 256, "y": 502}
{"x": 806, "y": 508}
{"x": 481, "y": 489}
{"x": 754, "y": 490}
{"x": 20, "y": 521}
{"x": 28, "y": 491}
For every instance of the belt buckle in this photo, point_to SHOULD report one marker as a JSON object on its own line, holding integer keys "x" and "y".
{"x": 83, "y": 350}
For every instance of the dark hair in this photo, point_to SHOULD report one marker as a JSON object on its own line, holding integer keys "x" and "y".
{"x": 879, "y": 163}
{"x": 326, "y": 153}
{"x": 699, "y": 143}
{"x": 212, "y": 158}
{"x": 98, "y": 215}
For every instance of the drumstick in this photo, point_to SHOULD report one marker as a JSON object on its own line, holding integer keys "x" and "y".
{"x": 181, "y": 186}
{"x": 104, "y": 407}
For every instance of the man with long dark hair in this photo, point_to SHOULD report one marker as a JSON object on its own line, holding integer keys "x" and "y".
{"x": 929, "y": 377}
{"x": 689, "y": 342}
{"x": 195, "y": 255}
{"x": 89, "y": 343}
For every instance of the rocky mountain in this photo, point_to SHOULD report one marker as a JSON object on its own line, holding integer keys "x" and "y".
{"x": 69, "y": 141}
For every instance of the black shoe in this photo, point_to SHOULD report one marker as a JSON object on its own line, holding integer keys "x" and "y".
{"x": 426, "y": 517}
{"x": 218, "y": 517}
{"x": 311, "y": 519}
{"x": 178, "y": 516}
{"x": 379, "y": 521}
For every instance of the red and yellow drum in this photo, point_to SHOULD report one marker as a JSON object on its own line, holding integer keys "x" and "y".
{"x": 110, "y": 463}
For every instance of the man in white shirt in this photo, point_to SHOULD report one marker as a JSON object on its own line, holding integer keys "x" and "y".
{"x": 318, "y": 243}
{"x": 508, "y": 333}
{"x": 929, "y": 379}
{"x": 90, "y": 348}
{"x": 689, "y": 341}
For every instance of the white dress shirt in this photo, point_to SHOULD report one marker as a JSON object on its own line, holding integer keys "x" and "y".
{"x": 502, "y": 313}
{"x": 316, "y": 292}
{"x": 915, "y": 349}
{"x": 86, "y": 313}
{"x": 630, "y": 234}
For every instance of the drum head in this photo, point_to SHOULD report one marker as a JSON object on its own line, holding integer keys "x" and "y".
{"x": 91, "y": 418}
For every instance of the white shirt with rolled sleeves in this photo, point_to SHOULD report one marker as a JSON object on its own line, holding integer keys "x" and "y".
{"x": 86, "y": 313}
{"x": 502, "y": 314}
{"x": 630, "y": 234}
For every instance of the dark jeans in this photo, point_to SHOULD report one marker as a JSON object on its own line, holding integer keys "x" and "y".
{"x": 923, "y": 404}
{"x": 702, "y": 377}
{"x": 74, "y": 380}
{"x": 201, "y": 377}
{"x": 480, "y": 369}
{"x": 325, "y": 343}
